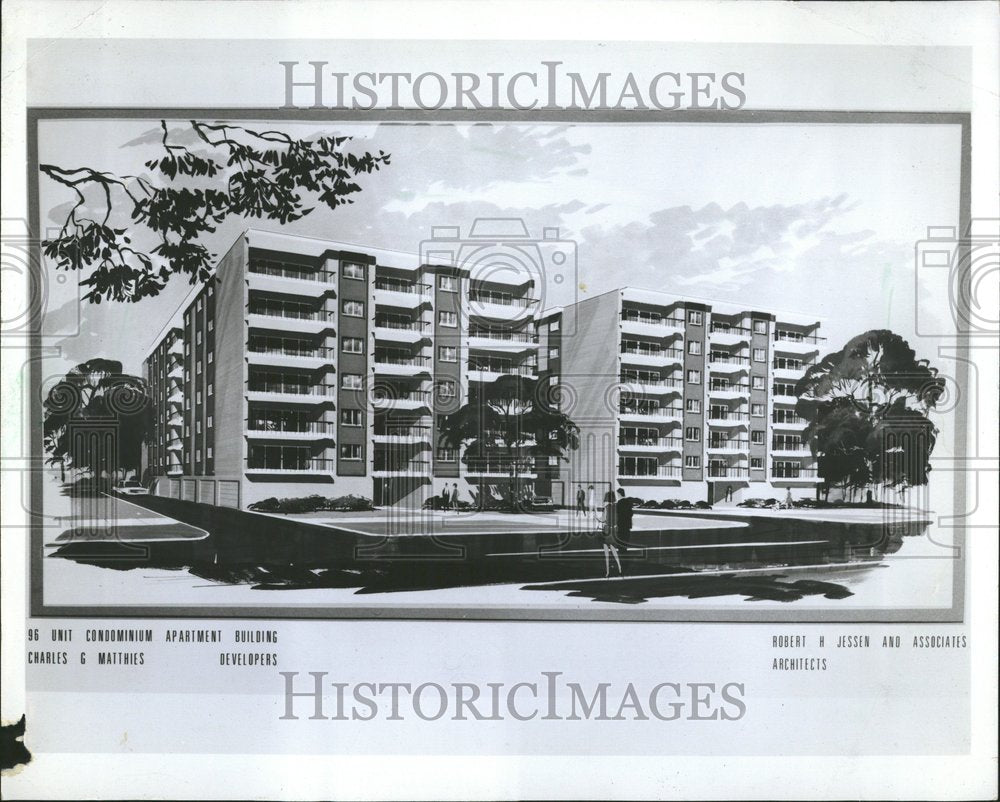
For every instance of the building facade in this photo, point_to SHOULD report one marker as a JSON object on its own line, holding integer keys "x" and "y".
{"x": 681, "y": 398}
{"x": 307, "y": 366}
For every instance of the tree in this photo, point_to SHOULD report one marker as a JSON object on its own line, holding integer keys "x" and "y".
{"x": 866, "y": 406}
{"x": 514, "y": 420}
{"x": 96, "y": 396}
{"x": 187, "y": 195}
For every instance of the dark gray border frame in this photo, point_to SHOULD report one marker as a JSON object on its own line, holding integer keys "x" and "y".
{"x": 955, "y": 614}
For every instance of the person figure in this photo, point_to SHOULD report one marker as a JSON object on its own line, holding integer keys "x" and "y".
{"x": 592, "y": 510}
{"x": 607, "y": 534}
{"x": 444, "y": 498}
{"x": 623, "y": 519}
{"x": 454, "y": 496}
{"x": 581, "y": 501}
{"x": 729, "y": 493}
{"x": 788, "y": 499}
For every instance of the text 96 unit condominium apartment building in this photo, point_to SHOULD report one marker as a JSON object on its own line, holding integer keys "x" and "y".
{"x": 310, "y": 366}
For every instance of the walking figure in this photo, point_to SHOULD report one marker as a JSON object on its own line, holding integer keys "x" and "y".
{"x": 607, "y": 535}
{"x": 581, "y": 502}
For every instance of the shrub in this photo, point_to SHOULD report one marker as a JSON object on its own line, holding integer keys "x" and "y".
{"x": 649, "y": 505}
{"x": 266, "y": 505}
{"x": 668, "y": 504}
{"x": 313, "y": 503}
{"x": 702, "y": 505}
{"x": 349, "y": 503}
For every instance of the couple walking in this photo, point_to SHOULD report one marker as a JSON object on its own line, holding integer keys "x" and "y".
{"x": 449, "y": 497}
{"x": 615, "y": 521}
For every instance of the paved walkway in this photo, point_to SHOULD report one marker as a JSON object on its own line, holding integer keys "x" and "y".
{"x": 122, "y": 522}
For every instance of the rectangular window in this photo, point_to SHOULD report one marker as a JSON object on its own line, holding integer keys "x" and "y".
{"x": 694, "y": 347}
{"x": 757, "y": 437}
{"x": 197, "y": 455}
{"x": 553, "y": 462}
{"x": 447, "y": 455}
{"x": 757, "y": 382}
{"x": 353, "y": 309}
{"x": 350, "y": 452}
{"x": 693, "y": 434}
{"x": 446, "y": 388}
{"x": 353, "y": 270}
{"x": 351, "y": 381}
{"x": 198, "y": 397}
{"x": 350, "y": 417}
{"x": 693, "y": 405}
{"x": 447, "y": 284}
{"x": 694, "y": 377}
{"x": 353, "y": 345}
{"x": 757, "y": 410}
{"x": 760, "y": 327}
{"x": 210, "y": 388}
{"x": 197, "y": 338}
{"x": 694, "y": 317}
{"x": 449, "y": 319}
{"x": 211, "y": 325}
{"x": 208, "y": 452}
{"x": 197, "y": 307}
{"x": 758, "y": 355}
{"x": 756, "y": 463}
{"x": 211, "y": 357}
{"x": 208, "y": 422}
{"x": 448, "y": 353}
{"x": 692, "y": 461}
{"x": 554, "y": 325}
{"x": 197, "y": 428}
{"x": 553, "y": 353}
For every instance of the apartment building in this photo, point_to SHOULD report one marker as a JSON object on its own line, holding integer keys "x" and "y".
{"x": 311, "y": 366}
{"x": 681, "y": 398}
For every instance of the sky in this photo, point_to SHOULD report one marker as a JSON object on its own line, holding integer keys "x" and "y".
{"x": 818, "y": 219}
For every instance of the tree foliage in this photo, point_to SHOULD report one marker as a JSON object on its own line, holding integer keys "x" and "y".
{"x": 187, "y": 195}
{"x": 91, "y": 397}
{"x": 512, "y": 421}
{"x": 867, "y": 409}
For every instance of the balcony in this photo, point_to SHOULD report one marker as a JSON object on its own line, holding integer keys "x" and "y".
{"x": 656, "y": 357}
{"x": 725, "y": 417}
{"x": 794, "y": 473}
{"x": 790, "y": 448}
{"x": 728, "y": 472}
{"x": 290, "y": 281}
{"x": 650, "y": 413}
{"x": 727, "y": 363}
{"x": 505, "y": 341}
{"x": 290, "y": 319}
{"x": 644, "y": 444}
{"x": 728, "y": 389}
{"x": 401, "y": 294}
{"x": 291, "y": 393}
{"x": 395, "y": 365}
{"x": 792, "y": 342}
{"x": 403, "y": 435}
{"x": 310, "y": 466}
{"x": 498, "y": 469}
{"x": 285, "y": 430}
{"x": 730, "y": 444}
{"x": 659, "y": 472}
{"x": 724, "y": 334}
{"x": 783, "y": 397}
{"x": 651, "y": 325}
{"x": 291, "y": 357}
{"x": 384, "y": 399}
{"x": 400, "y": 329}
{"x": 176, "y": 347}
{"x": 789, "y": 369}
{"x": 490, "y": 372}
{"x": 496, "y": 306}
{"x": 788, "y": 421}
{"x": 386, "y": 468}
{"x": 649, "y": 386}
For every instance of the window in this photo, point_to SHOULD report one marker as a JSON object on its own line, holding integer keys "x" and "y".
{"x": 757, "y": 437}
{"x": 353, "y": 345}
{"x": 694, "y": 377}
{"x": 447, "y": 455}
{"x": 353, "y": 270}
{"x": 757, "y": 382}
{"x": 350, "y": 417}
{"x": 757, "y": 410}
{"x": 351, "y": 452}
{"x": 692, "y": 461}
{"x": 351, "y": 381}
{"x": 211, "y": 357}
{"x": 758, "y": 355}
{"x": 756, "y": 463}
{"x": 197, "y": 428}
{"x": 211, "y": 325}
{"x": 197, "y": 455}
{"x": 449, "y": 319}
{"x": 198, "y": 397}
{"x": 198, "y": 368}
{"x": 693, "y": 405}
{"x": 197, "y": 338}
{"x": 208, "y": 452}
{"x": 553, "y": 353}
{"x": 760, "y": 327}
{"x": 447, "y": 284}
{"x": 210, "y": 388}
{"x": 553, "y": 462}
{"x": 446, "y": 388}
{"x": 197, "y": 306}
{"x": 448, "y": 353}
{"x": 353, "y": 309}
{"x": 694, "y": 347}
{"x": 554, "y": 325}
{"x": 694, "y": 317}
{"x": 693, "y": 434}
{"x": 208, "y": 421}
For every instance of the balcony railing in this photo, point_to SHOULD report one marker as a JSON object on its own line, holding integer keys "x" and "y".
{"x": 394, "y": 359}
{"x": 656, "y": 353}
{"x": 668, "y": 322}
{"x": 650, "y": 382}
{"x": 652, "y": 442}
{"x": 651, "y": 411}
{"x": 410, "y": 466}
{"x": 383, "y": 395}
{"x": 271, "y": 269}
{"x": 292, "y": 389}
{"x": 727, "y": 415}
{"x": 410, "y": 288}
{"x": 728, "y": 387}
{"x": 788, "y": 419}
{"x": 727, "y": 359}
{"x": 795, "y": 337}
{"x": 503, "y": 336}
{"x": 400, "y": 323}
{"x": 789, "y": 365}
{"x": 660, "y": 471}
{"x": 725, "y": 328}
{"x": 793, "y": 472}
{"x": 732, "y": 444}
{"x": 500, "y": 467}
{"x": 414, "y": 430}
{"x": 303, "y": 464}
{"x": 316, "y": 352}
{"x": 789, "y": 445}
{"x": 294, "y": 427}
{"x": 510, "y": 370}
{"x": 292, "y": 313}
{"x": 501, "y": 300}
{"x": 727, "y": 472}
